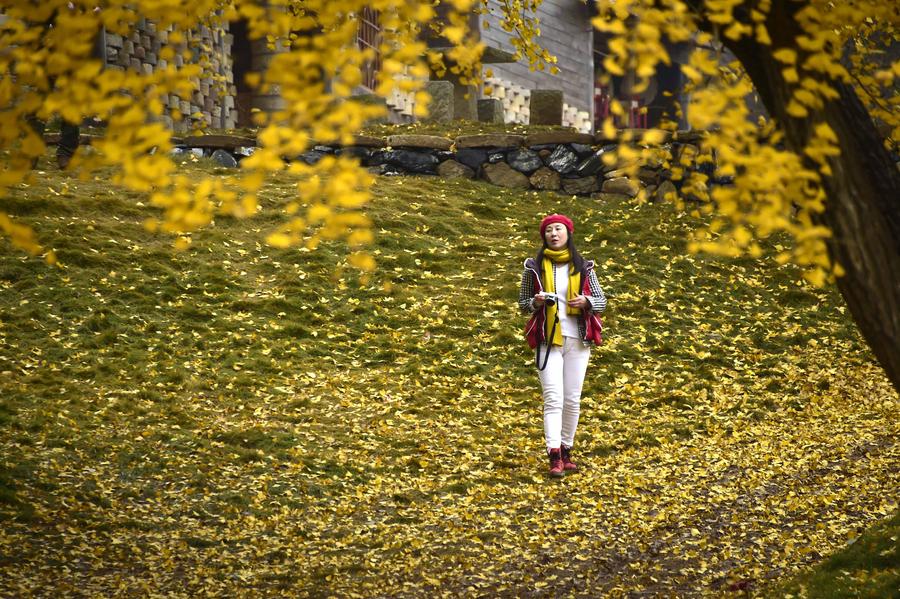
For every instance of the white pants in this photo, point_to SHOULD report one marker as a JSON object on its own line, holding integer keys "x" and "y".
{"x": 561, "y": 381}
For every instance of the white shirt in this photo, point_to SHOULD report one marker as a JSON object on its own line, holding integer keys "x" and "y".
{"x": 568, "y": 323}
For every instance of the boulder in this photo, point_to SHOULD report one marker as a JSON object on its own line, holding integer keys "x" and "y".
{"x": 554, "y": 138}
{"x": 666, "y": 188}
{"x": 432, "y": 142}
{"x": 524, "y": 160}
{"x": 312, "y": 156}
{"x": 593, "y": 164}
{"x": 503, "y": 175}
{"x": 563, "y": 160}
{"x": 648, "y": 176}
{"x": 358, "y": 152}
{"x": 451, "y": 169}
{"x": 582, "y": 149}
{"x": 580, "y": 186}
{"x": 224, "y": 158}
{"x": 621, "y": 185}
{"x": 490, "y": 140}
{"x": 472, "y": 157}
{"x": 545, "y": 178}
{"x": 411, "y": 161}
{"x": 496, "y": 157}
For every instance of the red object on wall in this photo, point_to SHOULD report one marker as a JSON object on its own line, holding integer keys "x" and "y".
{"x": 637, "y": 116}
{"x": 637, "y": 113}
{"x": 601, "y": 106}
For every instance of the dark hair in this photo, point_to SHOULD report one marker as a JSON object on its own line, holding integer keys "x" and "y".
{"x": 577, "y": 260}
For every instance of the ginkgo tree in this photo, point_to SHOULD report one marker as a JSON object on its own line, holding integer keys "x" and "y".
{"x": 820, "y": 168}
{"x": 46, "y": 69}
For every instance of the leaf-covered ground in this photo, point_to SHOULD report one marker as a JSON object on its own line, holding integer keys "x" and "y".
{"x": 236, "y": 420}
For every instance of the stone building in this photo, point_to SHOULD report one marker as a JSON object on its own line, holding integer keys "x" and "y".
{"x": 222, "y": 99}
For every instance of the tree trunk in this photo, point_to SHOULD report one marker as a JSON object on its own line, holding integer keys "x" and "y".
{"x": 863, "y": 192}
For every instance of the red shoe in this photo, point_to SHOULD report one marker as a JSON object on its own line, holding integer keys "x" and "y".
{"x": 568, "y": 464}
{"x": 556, "y": 463}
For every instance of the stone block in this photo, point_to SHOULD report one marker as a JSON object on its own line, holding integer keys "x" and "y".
{"x": 140, "y": 52}
{"x": 546, "y": 107}
{"x": 666, "y": 190}
{"x": 563, "y": 160}
{"x": 368, "y": 141}
{"x": 580, "y": 186}
{"x": 150, "y": 58}
{"x": 545, "y": 178}
{"x": 440, "y": 110}
{"x": 504, "y": 175}
{"x": 432, "y": 142}
{"x": 114, "y": 40}
{"x": 621, "y": 185}
{"x": 204, "y": 87}
{"x": 472, "y": 157}
{"x": 451, "y": 169}
{"x": 490, "y": 110}
{"x": 490, "y": 140}
{"x": 524, "y": 160}
{"x": 135, "y": 64}
{"x": 558, "y": 137}
{"x": 162, "y": 65}
{"x": 128, "y": 47}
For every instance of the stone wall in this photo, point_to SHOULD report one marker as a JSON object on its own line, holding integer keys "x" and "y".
{"x": 561, "y": 161}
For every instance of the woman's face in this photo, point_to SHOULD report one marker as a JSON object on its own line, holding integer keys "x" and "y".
{"x": 556, "y": 235}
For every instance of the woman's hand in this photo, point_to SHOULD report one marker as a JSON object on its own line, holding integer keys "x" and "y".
{"x": 538, "y": 300}
{"x": 580, "y": 302}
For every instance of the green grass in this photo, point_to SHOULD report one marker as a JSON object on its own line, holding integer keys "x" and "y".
{"x": 240, "y": 419}
{"x": 868, "y": 568}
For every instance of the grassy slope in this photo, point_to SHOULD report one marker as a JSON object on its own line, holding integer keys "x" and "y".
{"x": 237, "y": 417}
{"x": 869, "y": 568}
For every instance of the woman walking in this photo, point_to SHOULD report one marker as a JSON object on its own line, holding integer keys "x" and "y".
{"x": 561, "y": 292}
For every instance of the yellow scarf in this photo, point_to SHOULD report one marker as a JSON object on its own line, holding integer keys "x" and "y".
{"x": 552, "y": 257}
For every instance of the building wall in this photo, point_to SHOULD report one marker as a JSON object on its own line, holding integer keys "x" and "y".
{"x": 566, "y": 33}
{"x": 213, "y": 99}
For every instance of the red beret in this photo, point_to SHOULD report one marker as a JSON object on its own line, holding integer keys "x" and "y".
{"x": 557, "y": 218}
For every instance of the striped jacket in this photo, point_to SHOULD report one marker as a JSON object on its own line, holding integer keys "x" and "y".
{"x": 531, "y": 284}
